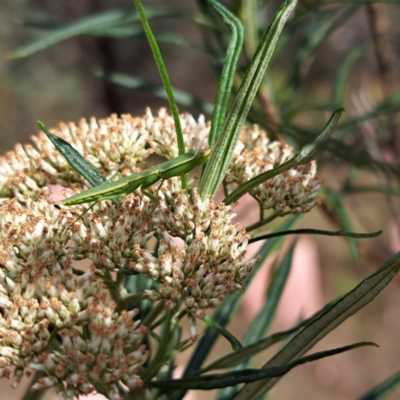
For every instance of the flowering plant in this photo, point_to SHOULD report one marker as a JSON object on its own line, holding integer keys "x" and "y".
{"x": 114, "y": 326}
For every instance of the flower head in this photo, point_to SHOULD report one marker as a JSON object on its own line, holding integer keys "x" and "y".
{"x": 71, "y": 323}
{"x": 42, "y": 296}
{"x": 295, "y": 190}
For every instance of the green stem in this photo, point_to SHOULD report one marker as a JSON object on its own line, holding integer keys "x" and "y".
{"x": 165, "y": 79}
{"x": 112, "y": 287}
{"x": 266, "y": 220}
{"x": 153, "y": 314}
{"x": 132, "y": 298}
{"x": 162, "y": 351}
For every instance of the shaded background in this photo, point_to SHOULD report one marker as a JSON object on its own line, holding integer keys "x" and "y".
{"x": 59, "y": 84}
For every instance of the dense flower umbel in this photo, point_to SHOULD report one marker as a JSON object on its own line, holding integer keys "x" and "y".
{"x": 162, "y": 133}
{"x": 41, "y": 297}
{"x": 108, "y": 144}
{"x": 212, "y": 261}
{"x": 295, "y": 190}
{"x": 63, "y": 321}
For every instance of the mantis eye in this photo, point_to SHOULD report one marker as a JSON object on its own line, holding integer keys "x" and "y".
{"x": 205, "y": 153}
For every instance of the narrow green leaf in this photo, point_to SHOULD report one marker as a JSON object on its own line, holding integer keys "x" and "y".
{"x": 326, "y": 322}
{"x": 338, "y": 148}
{"x": 132, "y": 82}
{"x": 216, "y": 381}
{"x": 165, "y": 79}
{"x": 242, "y": 355}
{"x": 219, "y": 160}
{"x": 343, "y": 75}
{"x": 76, "y": 28}
{"x": 302, "y": 157}
{"x": 315, "y": 232}
{"x": 384, "y": 388}
{"x": 77, "y": 162}
{"x": 229, "y": 68}
{"x": 225, "y": 333}
{"x": 263, "y": 320}
{"x": 387, "y": 106}
{"x": 337, "y": 205}
{"x": 93, "y": 23}
{"x": 250, "y": 15}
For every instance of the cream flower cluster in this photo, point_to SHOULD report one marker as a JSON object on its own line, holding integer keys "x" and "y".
{"x": 295, "y": 190}
{"x": 211, "y": 263}
{"x": 42, "y": 297}
{"x": 163, "y": 137}
{"x": 108, "y": 144}
{"x": 68, "y": 323}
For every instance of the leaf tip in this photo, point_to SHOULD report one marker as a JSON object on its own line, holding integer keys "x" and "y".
{"x": 41, "y": 125}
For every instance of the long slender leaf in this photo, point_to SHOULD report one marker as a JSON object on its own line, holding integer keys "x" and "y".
{"x": 229, "y": 68}
{"x": 302, "y": 157}
{"x": 327, "y": 321}
{"x": 343, "y": 75}
{"x": 242, "y": 355}
{"x": 361, "y": 159}
{"x": 263, "y": 320}
{"x": 165, "y": 79}
{"x": 132, "y": 82}
{"x": 216, "y": 381}
{"x": 315, "y": 232}
{"x": 219, "y": 161}
{"x": 336, "y": 203}
{"x": 384, "y": 388}
{"x": 88, "y": 25}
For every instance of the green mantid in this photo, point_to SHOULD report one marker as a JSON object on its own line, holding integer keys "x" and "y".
{"x": 143, "y": 180}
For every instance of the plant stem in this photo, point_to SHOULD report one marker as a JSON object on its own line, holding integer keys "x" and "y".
{"x": 266, "y": 220}
{"x": 159, "y": 358}
{"x": 153, "y": 314}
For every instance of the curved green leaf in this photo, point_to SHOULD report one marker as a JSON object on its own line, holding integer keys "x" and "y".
{"x": 335, "y": 201}
{"x": 216, "y": 381}
{"x": 165, "y": 79}
{"x": 132, "y": 82}
{"x": 315, "y": 232}
{"x": 302, "y": 157}
{"x": 89, "y": 25}
{"x": 225, "y": 333}
{"x": 333, "y": 316}
{"x": 229, "y": 68}
{"x": 263, "y": 320}
{"x": 384, "y": 388}
{"x": 343, "y": 74}
{"x": 219, "y": 160}
{"x": 242, "y": 355}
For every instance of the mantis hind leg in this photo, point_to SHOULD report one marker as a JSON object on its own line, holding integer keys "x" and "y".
{"x": 151, "y": 196}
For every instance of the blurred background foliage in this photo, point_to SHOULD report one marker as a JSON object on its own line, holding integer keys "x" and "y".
{"x": 330, "y": 54}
